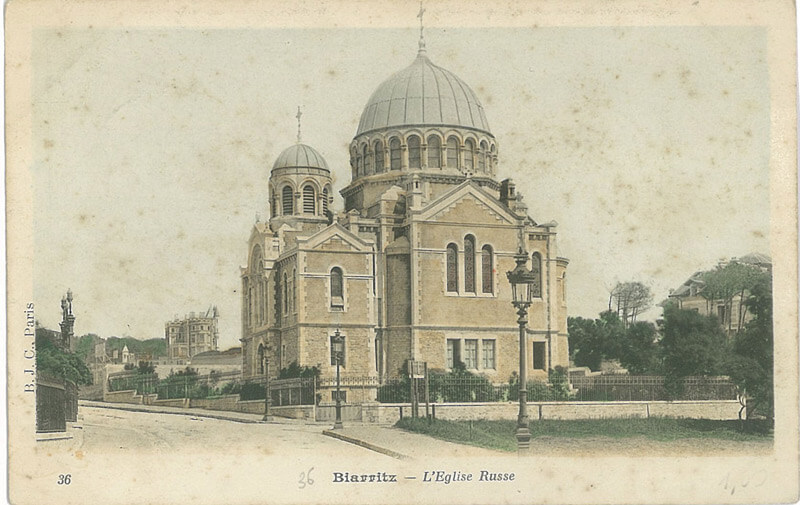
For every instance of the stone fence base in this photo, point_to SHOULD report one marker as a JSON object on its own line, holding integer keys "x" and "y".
{"x": 390, "y": 413}
{"x": 230, "y": 403}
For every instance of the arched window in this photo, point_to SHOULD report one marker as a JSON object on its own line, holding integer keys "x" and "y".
{"x": 493, "y": 152}
{"x": 325, "y": 200}
{"x": 536, "y": 270}
{"x": 452, "y": 152}
{"x": 378, "y": 150}
{"x": 278, "y": 299}
{"x": 294, "y": 290}
{"x": 285, "y": 293}
{"x": 337, "y": 288}
{"x": 434, "y": 152}
{"x": 482, "y": 157}
{"x": 309, "y": 199}
{"x": 487, "y": 272}
{"x": 394, "y": 153}
{"x": 261, "y": 353}
{"x": 469, "y": 155}
{"x": 469, "y": 264}
{"x": 274, "y": 202}
{"x": 366, "y": 157}
{"x": 452, "y": 268}
{"x": 414, "y": 152}
{"x": 287, "y": 201}
{"x": 256, "y": 296}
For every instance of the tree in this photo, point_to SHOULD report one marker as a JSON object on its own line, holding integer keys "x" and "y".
{"x": 751, "y": 364}
{"x": 585, "y": 342}
{"x": 59, "y": 363}
{"x": 591, "y": 341}
{"x": 691, "y": 344}
{"x": 639, "y": 351}
{"x": 724, "y": 283}
{"x": 629, "y": 299}
{"x": 84, "y": 347}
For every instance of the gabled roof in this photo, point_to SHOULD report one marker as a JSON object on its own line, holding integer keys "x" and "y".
{"x": 332, "y": 231}
{"x": 464, "y": 190}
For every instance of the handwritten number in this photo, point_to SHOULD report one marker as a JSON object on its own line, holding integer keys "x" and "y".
{"x": 305, "y": 479}
{"x": 756, "y": 479}
{"x": 64, "y": 479}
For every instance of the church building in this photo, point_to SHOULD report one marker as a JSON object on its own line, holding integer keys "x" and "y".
{"x": 415, "y": 266}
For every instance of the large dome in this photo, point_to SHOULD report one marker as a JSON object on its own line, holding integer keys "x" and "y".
{"x": 300, "y": 156}
{"x": 423, "y": 94}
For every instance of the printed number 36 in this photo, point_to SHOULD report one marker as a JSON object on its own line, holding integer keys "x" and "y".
{"x": 64, "y": 479}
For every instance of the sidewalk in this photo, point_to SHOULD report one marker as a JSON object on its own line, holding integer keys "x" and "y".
{"x": 239, "y": 417}
{"x": 402, "y": 444}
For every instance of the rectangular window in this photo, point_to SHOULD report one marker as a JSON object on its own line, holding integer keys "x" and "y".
{"x": 453, "y": 352}
{"x": 488, "y": 354}
{"x": 539, "y": 355}
{"x": 721, "y": 313}
{"x": 471, "y": 354}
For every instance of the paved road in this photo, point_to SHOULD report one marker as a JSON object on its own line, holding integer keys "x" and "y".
{"x": 105, "y": 429}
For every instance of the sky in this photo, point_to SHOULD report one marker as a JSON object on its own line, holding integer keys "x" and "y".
{"x": 152, "y": 150}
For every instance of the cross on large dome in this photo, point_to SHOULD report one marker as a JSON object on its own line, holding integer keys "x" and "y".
{"x": 423, "y": 94}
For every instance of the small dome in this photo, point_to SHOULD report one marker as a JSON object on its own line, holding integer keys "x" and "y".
{"x": 423, "y": 94}
{"x": 300, "y": 156}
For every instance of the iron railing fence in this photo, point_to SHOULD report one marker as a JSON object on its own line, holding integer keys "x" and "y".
{"x": 447, "y": 388}
{"x": 70, "y": 401}
{"x": 50, "y": 404}
{"x": 441, "y": 388}
{"x": 175, "y": 386}
{"x": 295, "y": 391}
{"x": 651, "y": 388}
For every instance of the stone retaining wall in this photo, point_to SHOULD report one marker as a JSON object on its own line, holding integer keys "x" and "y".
{"x": 383, "y": 413}
{"x": 386, "y": 413}
{"x": 122, "y": 397}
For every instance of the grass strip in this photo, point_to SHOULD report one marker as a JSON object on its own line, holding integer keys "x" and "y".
{"x": 500, "y": 434}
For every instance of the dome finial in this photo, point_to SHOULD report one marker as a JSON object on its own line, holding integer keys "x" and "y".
{"x": 298, "y": 116}
{"x": 421, "y": 27}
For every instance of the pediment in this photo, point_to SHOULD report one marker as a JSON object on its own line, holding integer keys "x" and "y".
{"x": 335, "y": 238}
{"x": 467, "y": 204}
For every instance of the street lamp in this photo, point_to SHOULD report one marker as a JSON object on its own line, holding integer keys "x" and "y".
{"x": 337, "y": 348}
{"x": 267, "y": 399}
{"x": 522, "y": 281}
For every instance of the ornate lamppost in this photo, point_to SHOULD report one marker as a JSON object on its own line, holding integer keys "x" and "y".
{"x": 337, "y": 349}
{"x": 522, "y": 281}
{"x": 267, "y": 397}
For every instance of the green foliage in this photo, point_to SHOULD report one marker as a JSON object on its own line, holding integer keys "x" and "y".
{"x": 500, "y": 434}
{"x": 84, "y": 346}
{"x": 751, "y": 364}
{"x": 591, "y": 341}
{"x": 58, "y": 363}
{"x": 556, "y": 389}
{"x": 252, "y": 391}
{"x": 692, "y": 344}
{"x": 153, "y": 347}
{"x": 638, "y": 350}
{"x": 146, "y": 367}
{"x": 294, "y": 371}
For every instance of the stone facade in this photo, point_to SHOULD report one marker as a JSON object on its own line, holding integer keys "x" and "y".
{"x": 194, "y": 334}
{"x": 414, "y": 268}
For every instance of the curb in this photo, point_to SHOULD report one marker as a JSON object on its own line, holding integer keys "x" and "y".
{"x": 192, "y": 414}
{"x": 366, "y": 445}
